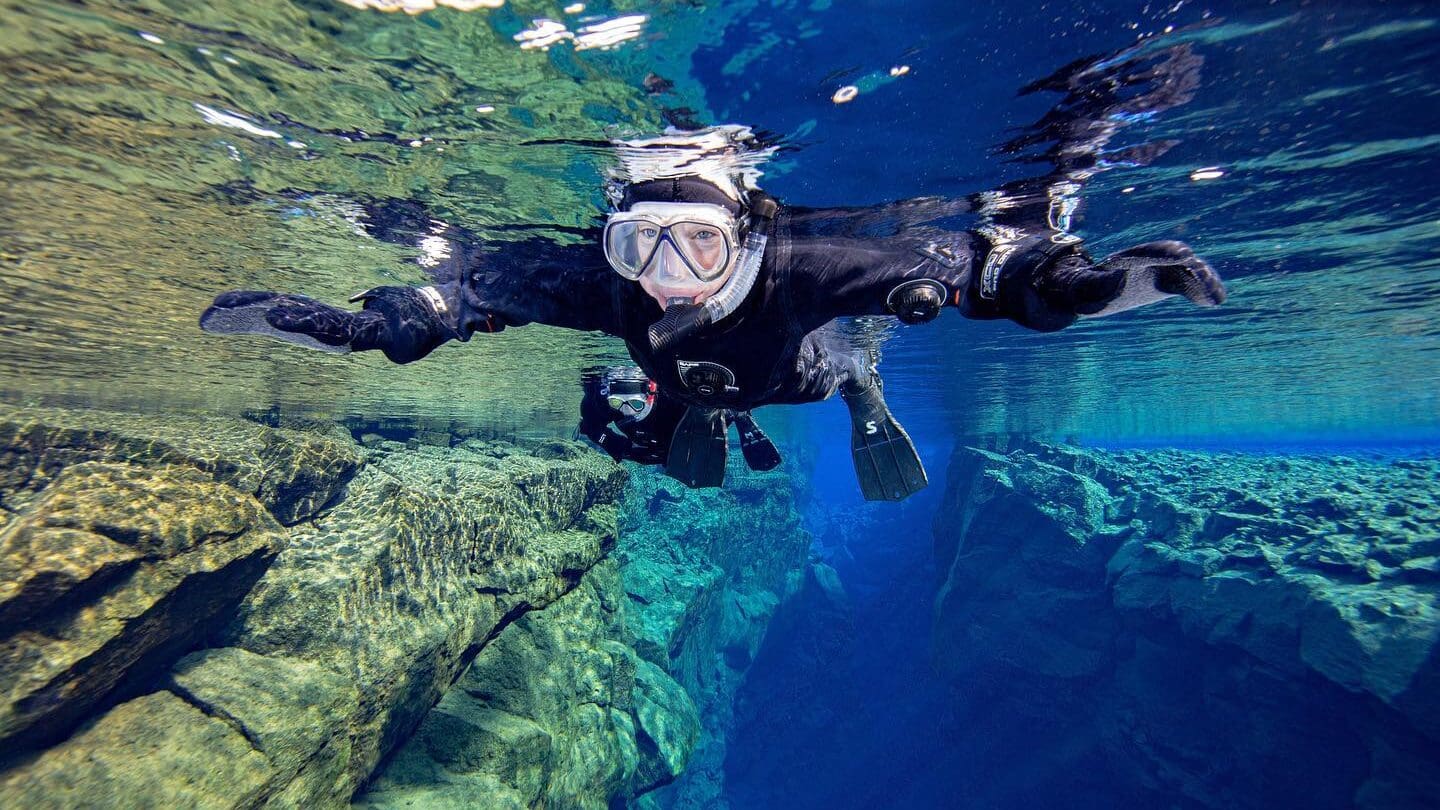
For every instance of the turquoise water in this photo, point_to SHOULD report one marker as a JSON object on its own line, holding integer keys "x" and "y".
{"x": 154, "y": 154}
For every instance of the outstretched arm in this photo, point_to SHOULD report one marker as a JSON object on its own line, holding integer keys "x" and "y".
{"x": 487, "y": 289}
{"x": 1044, "y": 281}
{"x": 1019, "y": 260}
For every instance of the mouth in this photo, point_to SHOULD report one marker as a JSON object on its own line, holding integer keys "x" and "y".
{"x": 679, "y": 300}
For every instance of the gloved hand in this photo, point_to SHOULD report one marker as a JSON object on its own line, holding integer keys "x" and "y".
{"x": 292, "y": 318}
{"x": 1156, "y": 270}
{"x": 395, "y": 320}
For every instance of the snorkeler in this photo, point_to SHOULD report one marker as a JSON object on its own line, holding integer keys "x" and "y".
{"x": 721, "y": 293}
{"x": 644, "y": 426}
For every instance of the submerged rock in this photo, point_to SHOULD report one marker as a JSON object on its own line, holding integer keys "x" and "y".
{"x": 218, "y": 613}
{"x": 131, "y": 540}
{"x": 625, "y": 684}
{"x": 1185, "y": 639}
{"x": 704, "y": 572}
{"x": 293, "y": 473}
{"x": 110, "y": 569}
{"x": 558, "y": 711}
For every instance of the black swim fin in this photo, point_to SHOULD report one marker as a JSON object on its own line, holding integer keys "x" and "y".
{"x": 698, "y": 447}
{"x": 760, "y": 452}
{"x": 886, "y": 464}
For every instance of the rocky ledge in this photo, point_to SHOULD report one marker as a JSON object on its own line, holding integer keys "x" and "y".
{"x": 1211, "y": 630}
{"x": 216, "y": 613}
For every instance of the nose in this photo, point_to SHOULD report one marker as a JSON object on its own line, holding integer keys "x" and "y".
{"x": 669, "y": 266}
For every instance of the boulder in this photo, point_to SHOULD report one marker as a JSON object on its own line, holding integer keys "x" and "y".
{"x": 109, "y": 573}
{"x": 154, "y": 751}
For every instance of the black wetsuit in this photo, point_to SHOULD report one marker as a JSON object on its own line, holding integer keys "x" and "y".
{"x": 772, "y": 344}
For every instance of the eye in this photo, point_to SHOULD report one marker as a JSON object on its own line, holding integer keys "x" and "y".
{"x": 649, "y": 233}
{"x": 706, "y": 235}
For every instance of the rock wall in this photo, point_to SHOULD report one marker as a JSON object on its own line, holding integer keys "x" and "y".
{"x": 704, "y": 571}
{"x": 217, "y": 613}
{"x": 323, "y": 597}
{"x": 558, "y": 711}
{"x": 1192, "y": 630}
{"x": 578, "y": 704}
{"x": 124, "y": 541}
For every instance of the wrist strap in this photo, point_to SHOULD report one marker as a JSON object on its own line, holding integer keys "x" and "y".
{"x": 1013, "y": 253}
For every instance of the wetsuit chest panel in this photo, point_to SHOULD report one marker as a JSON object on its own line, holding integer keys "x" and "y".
{"x": 734, "y": 368}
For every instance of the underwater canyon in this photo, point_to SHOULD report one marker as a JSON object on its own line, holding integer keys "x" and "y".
{"x": 223, "y": 613}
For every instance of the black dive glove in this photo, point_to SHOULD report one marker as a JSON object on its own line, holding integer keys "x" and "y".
{"x": 396, "y": 320}
{"x": 1046, "y": 286}
{"x": 1157, "y": 270}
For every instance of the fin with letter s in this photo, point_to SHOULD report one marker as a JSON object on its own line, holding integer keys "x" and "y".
{"x": 886, "y": 464}
{"x": 698, "y": 447}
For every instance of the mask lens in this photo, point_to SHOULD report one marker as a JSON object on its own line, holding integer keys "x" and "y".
{"x": 705, "y": 247}
{"x": 629, "y": 245}
{"x": 631, "y": 404}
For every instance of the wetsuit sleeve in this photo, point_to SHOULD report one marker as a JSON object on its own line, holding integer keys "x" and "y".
{"x": 830, "y": 277}
{"x": 510, "y": 284}
{"x": 1035, "y": 280}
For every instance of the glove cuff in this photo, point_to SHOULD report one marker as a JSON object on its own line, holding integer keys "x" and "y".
{"x": 403, "y": 324}
{"x": 1014, "y": 254}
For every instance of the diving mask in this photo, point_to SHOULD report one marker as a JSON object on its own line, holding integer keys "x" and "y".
{"x": 631, "y": 399}
{"x": 698, "y": 239}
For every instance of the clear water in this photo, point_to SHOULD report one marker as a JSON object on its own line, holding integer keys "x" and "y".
{"x": 155, "y": 153}
{"x": 126, "y": 209}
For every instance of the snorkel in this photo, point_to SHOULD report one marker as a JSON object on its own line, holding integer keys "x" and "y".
{"x": 683, "y": 320}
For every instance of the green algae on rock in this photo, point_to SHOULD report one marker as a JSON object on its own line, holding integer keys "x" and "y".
{"x": 1278, "y": 606}
{"x": 343, "y": 590}
{"x": 623, "y": 685}
{"x": 557, "y": 711}
{"x": 120, "y": 550}
{"x": 704, "y": 571}
{"x": 369, "y": 610}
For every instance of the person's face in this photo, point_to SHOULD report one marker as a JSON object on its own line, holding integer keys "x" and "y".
{"x": 682, "y": 252}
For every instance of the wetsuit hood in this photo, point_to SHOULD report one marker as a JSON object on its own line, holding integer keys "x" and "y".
{"x": 680, "y": 190}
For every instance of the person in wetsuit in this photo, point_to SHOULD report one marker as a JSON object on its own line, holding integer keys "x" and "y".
{"x": 721, "y": 294}
{"x": 623, "y": 413}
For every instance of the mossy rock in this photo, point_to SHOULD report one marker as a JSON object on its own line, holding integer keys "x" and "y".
{"x": 110, "y": 572}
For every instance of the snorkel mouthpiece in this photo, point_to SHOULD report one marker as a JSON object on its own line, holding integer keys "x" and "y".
{"x": 683, "y": 320}
{"x": 679, "y": 322}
